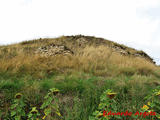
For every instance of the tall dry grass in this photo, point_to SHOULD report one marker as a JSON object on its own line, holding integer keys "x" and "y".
{"x": 97, "y": 60}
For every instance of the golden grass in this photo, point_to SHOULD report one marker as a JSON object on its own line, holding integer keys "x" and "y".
{"x": 99, "y": 60}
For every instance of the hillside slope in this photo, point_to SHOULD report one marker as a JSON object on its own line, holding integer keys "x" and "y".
{"x": 81, "y": 67}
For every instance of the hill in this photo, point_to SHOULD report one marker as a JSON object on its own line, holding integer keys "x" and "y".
{"x": 76, "y": 43}
{"x": 81, "y": 67}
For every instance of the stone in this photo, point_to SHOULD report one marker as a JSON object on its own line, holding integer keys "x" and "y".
{"x": 52, "y": 50}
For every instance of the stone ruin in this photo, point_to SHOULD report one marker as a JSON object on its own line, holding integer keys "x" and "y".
{"x": 52, "y": 50}
{"x": 122, "y": 50}
{"x": 81, "y": 41}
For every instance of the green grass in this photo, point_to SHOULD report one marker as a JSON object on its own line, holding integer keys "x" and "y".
{"x": 80, "y": 92}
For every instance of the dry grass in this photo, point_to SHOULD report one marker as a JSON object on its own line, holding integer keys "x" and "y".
{"x": 99, "y": 60}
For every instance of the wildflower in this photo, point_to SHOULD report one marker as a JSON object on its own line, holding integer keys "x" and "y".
{"x": 111, "y": 95}
{"x": 149, "y": 103}
{"x": 43, "y": 117}
{"x": 145, "y": 107}
{"x": 54, "y": 91}
{"x": 18, "y": 95}
{"x": 158, "y": 93}
{"x": 58, "y": 113}
{"x": 34, "y": 110}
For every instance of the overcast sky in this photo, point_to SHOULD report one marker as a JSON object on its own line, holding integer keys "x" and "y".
{"x": 135, "y": 23}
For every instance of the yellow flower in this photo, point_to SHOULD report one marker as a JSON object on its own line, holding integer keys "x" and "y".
{"x": 18, "y": 95}
{"x": 149, "y": 103}
{"x": 43, "y": 117}
{"x": 111, "y": 95}
{"x": 58, "y": 113}
{"x": 34, "y": 110}
{"x": 145, "y": 107}
{"x": 54, "y": 91}
{"x": 158, "y": 93}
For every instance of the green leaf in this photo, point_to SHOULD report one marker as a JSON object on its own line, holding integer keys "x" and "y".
{"x": 95, "y": 113}
{"x": 50, "y": 100}
{"x": 47, "y": 111}
{"x": 23, "y": 113}
{"x": 47, "y": 96}
{"x": 13, "y": 113}
{"x": 18, "y": 118}
{"x": 14, "y": 106}
{"x": 44, "y": 105}
{"x": 91, "y": 118}
{"x": 0, "y": 113}
{"x": 29, "y": 115}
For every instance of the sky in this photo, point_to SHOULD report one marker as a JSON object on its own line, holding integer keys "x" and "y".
{"x": 135, "y": 23}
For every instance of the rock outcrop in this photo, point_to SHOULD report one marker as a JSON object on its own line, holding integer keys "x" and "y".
{"x": 52, "y": 50}
{"x": 80, "y": 41}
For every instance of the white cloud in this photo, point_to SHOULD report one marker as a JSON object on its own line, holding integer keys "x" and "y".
{"x": 124, "y": 21}
{"x": 58, "y": 17}
{"x": 148, "y": 24}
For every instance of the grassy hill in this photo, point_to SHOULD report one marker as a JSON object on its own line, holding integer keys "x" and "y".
{"x": 81, "y": 67}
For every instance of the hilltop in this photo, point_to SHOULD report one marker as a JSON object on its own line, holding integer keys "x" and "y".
{"x": 81, "y": 67}
{"x": 72, "y": 44}
{"x": 79, "y": 49}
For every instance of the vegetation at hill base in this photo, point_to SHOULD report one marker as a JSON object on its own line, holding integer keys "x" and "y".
{"x": 90, "y": 67}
